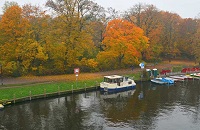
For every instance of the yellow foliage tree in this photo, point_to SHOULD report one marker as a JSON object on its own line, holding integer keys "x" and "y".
{"x": 19, "y": 49}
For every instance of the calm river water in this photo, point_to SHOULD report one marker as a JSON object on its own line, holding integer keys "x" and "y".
{"x": 175, "y": 107}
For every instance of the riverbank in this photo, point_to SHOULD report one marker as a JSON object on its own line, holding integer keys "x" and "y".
{"x": 33, "y": 87}
{"x": 26, "y": 80}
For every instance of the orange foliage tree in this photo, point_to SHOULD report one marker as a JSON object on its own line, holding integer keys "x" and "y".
{"x": 123, "y": 43}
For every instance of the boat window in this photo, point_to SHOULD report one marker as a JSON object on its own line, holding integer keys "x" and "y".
{"x": 130, "y": 82}
{"x": 117, "y": 80}
{"x": 114, "y": 80}
{"x": 107, "y": 80}
{"x": 110, "y": 80}
{"x": 121, "y": 80}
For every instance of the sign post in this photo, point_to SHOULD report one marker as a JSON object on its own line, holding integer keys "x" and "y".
{"x": 142, "y": 67}
{"x": 76, "y": 72}
{"x": 141, "y": 93}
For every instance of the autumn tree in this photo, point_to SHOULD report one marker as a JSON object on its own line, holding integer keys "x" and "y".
{"x": 169, "y": 35}
{"x": 22, "y": 51}
{"x": 36, "y": 37}
{"x": 8, "y": 4}
{"x": 96, "y": 25}
{"x": 195, "y": 47}
{"x": 80, "y": 33}
{"x": 123, "y": 43}
{"x": 72, "y": 29}
{"x": 147, "y": 17}
{"x": 133, "y": 14}
{"x": 151, "y": 24}
{"x": 13, "y": 27}
{"x": 186, "y": 37}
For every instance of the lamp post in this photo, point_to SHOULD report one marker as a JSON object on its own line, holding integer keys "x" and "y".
{"x": 1, "y": 74}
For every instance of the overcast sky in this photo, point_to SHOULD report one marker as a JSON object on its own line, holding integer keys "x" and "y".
{"x": 185, "y": 8}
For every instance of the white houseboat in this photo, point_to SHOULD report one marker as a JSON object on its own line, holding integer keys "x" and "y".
{"x": 116, "y": 83}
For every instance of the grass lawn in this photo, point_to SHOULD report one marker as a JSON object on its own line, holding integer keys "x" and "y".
{"x": 38, "y": 89}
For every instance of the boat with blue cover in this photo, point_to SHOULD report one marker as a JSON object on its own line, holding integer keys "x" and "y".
{"x": 163, "y": 81}
{"x": 117, "y": 83}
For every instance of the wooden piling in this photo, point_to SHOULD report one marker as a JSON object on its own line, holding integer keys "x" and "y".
{"x": 96, "y": 84}
{"x": 14, "y": 97}
{"x": 45, "y": 93}
{"x": 58, "y": 90}
{"x": 30, "y": 95}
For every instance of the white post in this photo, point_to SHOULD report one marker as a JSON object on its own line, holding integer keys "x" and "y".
{"x": 76, "y": 79}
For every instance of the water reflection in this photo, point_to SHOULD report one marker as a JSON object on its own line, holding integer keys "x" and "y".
{"x": 161, "y": 107}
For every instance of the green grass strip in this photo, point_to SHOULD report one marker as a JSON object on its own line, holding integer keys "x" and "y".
{"x": 38, "y": 89}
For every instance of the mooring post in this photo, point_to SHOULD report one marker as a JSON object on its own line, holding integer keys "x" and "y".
{"x": 44, "y": 92}
{"x": 58, "y": 90}
{"x": 14, "y": 97}
{"x": 72, "y": 89}
{"x": 85, "y": 86}
{"x": 30, "y": 95}
{"x": 96, "y": 84}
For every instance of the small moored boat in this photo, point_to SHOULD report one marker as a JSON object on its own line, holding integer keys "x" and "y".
{"x": 116, "y": 83}
{"x": 158, "y": 81}
{"x": 172, "y": 79}
{"x": 180, "y": 77}
{"x": 163, "y": 81}
{"x": 195, "y": 74}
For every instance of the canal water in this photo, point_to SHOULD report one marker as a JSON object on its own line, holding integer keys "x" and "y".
{"x": 148, "y": 107}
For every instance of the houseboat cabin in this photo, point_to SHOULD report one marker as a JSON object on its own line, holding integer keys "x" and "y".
{"x": 114, "y": 83}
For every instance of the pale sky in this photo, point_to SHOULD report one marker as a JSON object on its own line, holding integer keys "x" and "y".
{"x": 185, "y": 8}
